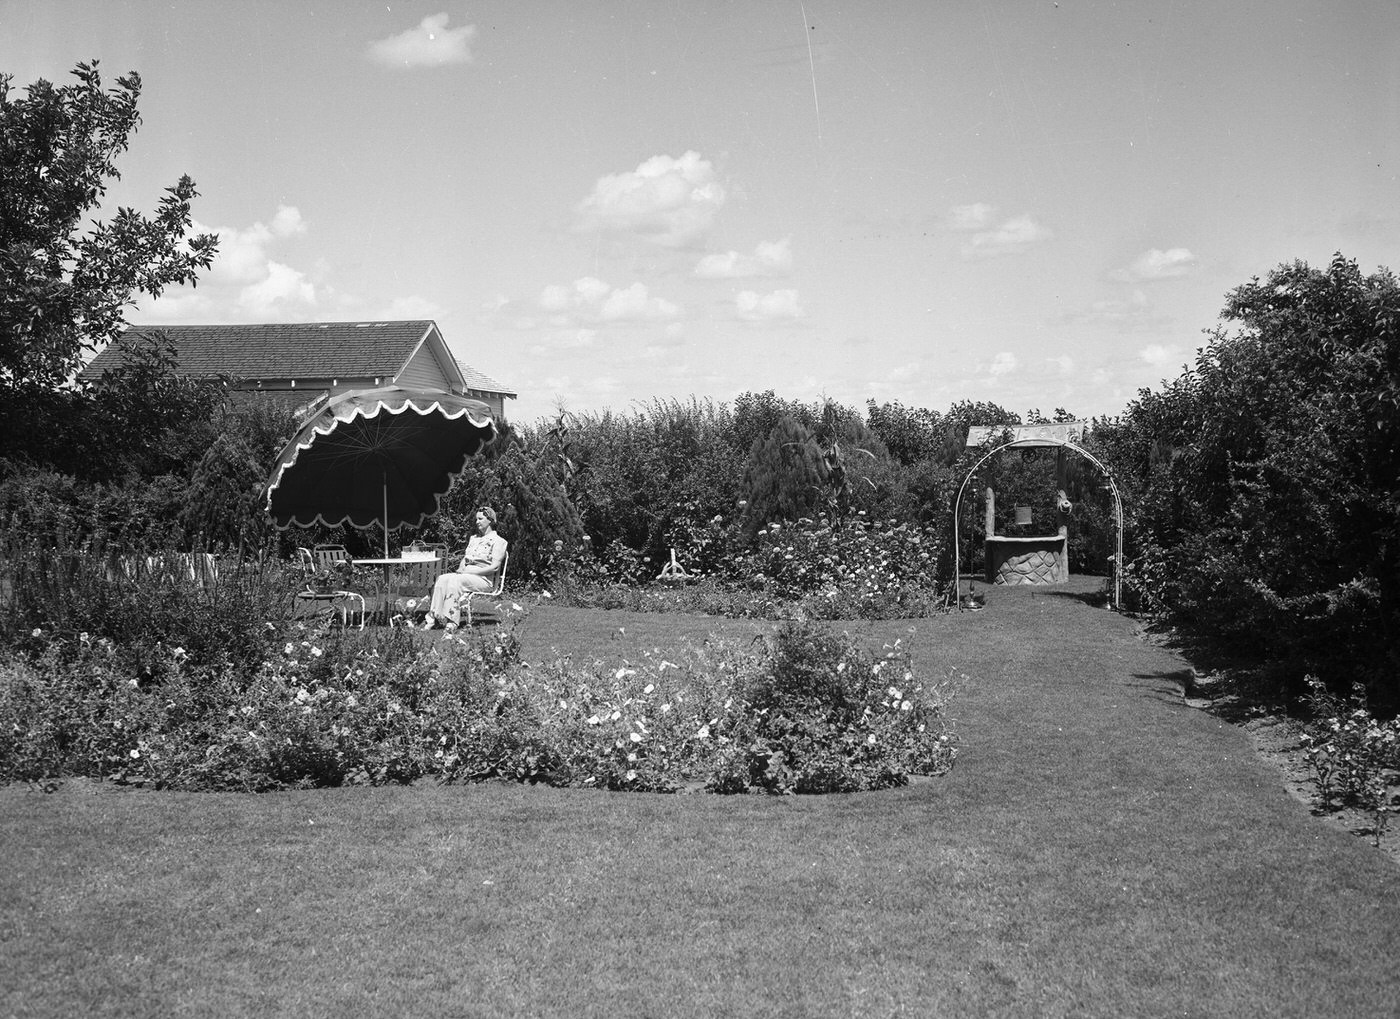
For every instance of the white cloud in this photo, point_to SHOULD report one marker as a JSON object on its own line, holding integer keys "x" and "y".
{"x": 243, "y": 252}
{"x": 977, "y": 216}
{"x": 282, "y": 287}
{"x": 664, "y": 201}
{"x": 779, "y": 305}
{"x": 1003, "y": 364}
{"x": 769, "y": 258}
{"x": 250, "y": 279}
{"x": 1161, "y": 355}
{"x": 589, "y": 301}
{"x": 1011, "y": 237}
{"x": 1064, "y": 364}
{"x": 1155, "y": 264}
{"x": 430, "y": 44}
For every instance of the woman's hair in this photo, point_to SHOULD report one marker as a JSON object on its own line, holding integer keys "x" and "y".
{"x": 489, "y": 514}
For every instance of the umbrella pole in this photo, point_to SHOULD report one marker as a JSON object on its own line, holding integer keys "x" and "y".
{"x": 386, "y": 514}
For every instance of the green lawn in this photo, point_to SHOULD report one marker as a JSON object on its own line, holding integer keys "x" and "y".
{"x": 1099, "y": 850}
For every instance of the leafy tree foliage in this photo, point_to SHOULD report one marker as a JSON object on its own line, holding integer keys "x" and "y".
{"x": 1270, "y": 476}
{"x": 533, "y": 508}
{"x": 63, "y": 287}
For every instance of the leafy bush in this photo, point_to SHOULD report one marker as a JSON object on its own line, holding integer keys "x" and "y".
{"x": 1353, "y": 756}
{"x": 864, "y": 570}
{"x": 1263, "y": 516}
{"x": 142, "y": 600}
{"x": 808, "y": 712}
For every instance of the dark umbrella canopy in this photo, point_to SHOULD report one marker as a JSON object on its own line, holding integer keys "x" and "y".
{"x": 376, "y": 457}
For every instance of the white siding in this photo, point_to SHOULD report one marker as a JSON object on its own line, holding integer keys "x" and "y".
{"x": 423, "y": 372}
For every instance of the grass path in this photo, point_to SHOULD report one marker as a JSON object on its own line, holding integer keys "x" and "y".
{"x": 1099, "y": 850}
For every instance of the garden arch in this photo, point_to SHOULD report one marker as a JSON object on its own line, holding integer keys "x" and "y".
{"x": 1046, "y": 438}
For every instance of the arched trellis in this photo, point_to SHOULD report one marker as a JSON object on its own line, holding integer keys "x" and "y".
{"x": 1113, "y": 487}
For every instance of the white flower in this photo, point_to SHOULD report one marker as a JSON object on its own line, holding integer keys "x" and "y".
{"x": 665, "y": 708}
{"x": 316, "y": 652}
{"x": 704, "y": 732}
{"x": 179, "y": 652}
{"x": 289, "y": 649}
{"x": 84, "y": 637}
{"x": 635, "y": 737}
{"x": 906, "y": 706}
{"x": 623, "y": 673}
{"x": 563, "y": 703}
{"x": 135, "y": 754}
{"x": 593, "y": 719}
{"x": 631, "y": 775}
{"x": 649, "y": 688}
{"x": 615, "y": 715}
{"x": 350, "y": 701}
{"x": 546, "y": 595}
{"x": 36, "y": 632}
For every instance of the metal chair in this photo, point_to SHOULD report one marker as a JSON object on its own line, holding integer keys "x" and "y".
{"x": 413, "y": 582}
{"x": 495, "y": 592}
{"x": 323, "y": 558}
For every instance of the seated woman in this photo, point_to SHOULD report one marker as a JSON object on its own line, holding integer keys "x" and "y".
{"x": 480, "y": 565}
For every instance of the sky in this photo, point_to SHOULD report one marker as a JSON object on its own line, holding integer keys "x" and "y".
{"x": 605, "y": 204}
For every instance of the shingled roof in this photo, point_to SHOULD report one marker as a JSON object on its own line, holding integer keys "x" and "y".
{"x": 295, "y": 350}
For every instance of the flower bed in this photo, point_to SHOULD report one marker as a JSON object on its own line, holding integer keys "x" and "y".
{"x": 863, "y": 570}
{"x": 806, "y": 711}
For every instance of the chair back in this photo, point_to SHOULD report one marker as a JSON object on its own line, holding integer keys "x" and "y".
{"x": 306, "y": 561}
{"x": 501, "y": 576}
{"x": 326, "y": 556}
{"x": 417, "y": 578}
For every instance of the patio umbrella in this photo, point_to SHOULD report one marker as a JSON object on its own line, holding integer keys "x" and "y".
{"x": 376, "y": 456}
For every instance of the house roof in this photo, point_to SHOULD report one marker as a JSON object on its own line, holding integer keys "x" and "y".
{"x": 297, "y": 350}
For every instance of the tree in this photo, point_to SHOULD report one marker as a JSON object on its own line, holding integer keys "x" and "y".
{"x": 63, "y": 288}
{"x": 1271, "y": 515}
{"x": 784, "y": 475}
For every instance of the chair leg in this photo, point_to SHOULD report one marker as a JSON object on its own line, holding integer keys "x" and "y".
{"x": 347, "y": 601}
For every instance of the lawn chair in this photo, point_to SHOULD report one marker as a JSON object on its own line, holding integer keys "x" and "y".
{"x": 495, "y": 592}
{"x": 321, "y": 560}
{"x": 413, "y": 582}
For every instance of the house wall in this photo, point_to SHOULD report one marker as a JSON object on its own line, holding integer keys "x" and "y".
{"x": 423, "y": 372}
{"x": 495, "y": 401}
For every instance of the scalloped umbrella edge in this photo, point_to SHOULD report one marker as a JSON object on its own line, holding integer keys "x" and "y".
{"x": 376, "y": 457}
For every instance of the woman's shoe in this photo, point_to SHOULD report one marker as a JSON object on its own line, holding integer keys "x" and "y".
{"x": 429, "y": 622}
